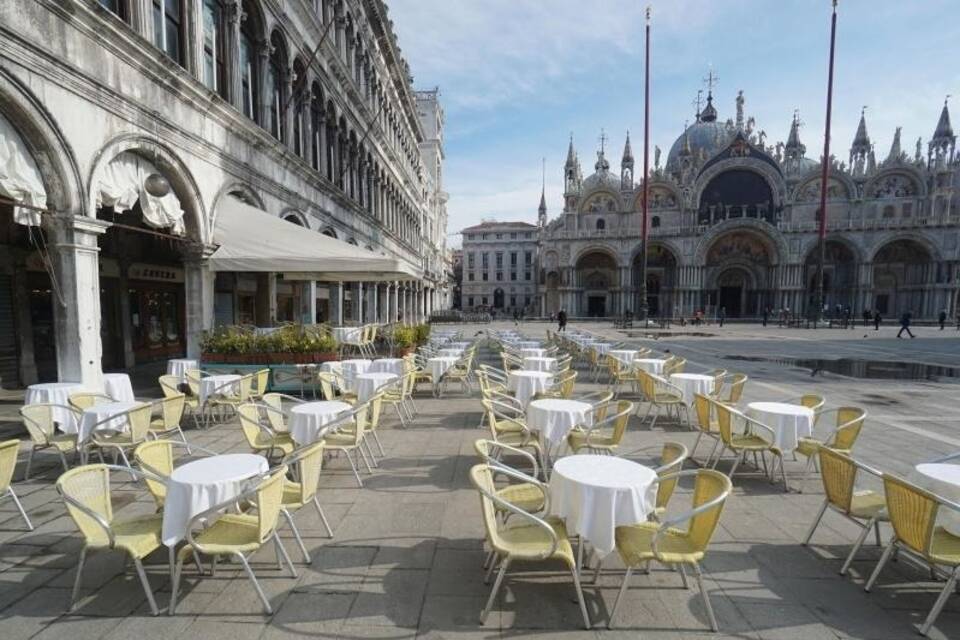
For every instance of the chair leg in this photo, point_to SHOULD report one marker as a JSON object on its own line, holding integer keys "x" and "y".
{"x": 883, "y": 560}
{"x": 296, "y": 534}
{"x": 323, "y": 517}
{"x": 575, "y": 572}
{"x": 146, "y": 585}
{"x": 941, "y": 601}
{"x": 683, "y": 576}
{"x": 383, "y": 454}
{"x": 496, "y": 588}
{"x": 26, "y": 472}
{"x": 816, "y": 523}
{"x": 358, "y": 451}
{"x": 736, "y": 463}
{"x": 23, "y": 513}
{"x": 76, "y": 580}
{"x": 175, "y": 587}
{"x": 856, "y": 546}
{"x": 256, "y": 585}
{"x": 354, "y": 468}
{"x": 283, "y": 553}
{"x": 876, "y": 531}
{"x": 706, "y": 598}
{"x": 490, "y": 569}
{"x": 184, "y": 439}
{"x": 616, "y": 603}
{"x": 696, "y": 443}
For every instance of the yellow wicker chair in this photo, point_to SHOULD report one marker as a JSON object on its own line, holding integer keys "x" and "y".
{"x": 672, "y": 457}
{"x": 374, "y": 409}
{"x": 328, "y": 385}
{"x": 137, "y": 421}
{"x": 730, "y": 391}
{"x": 257, "y": 431}
{"x": 278, "y": 418}
{"x": 676, "y": 365}
{"x": 507, "y": 426}
{"x": 86, "y": 399}
{"x": 168, "y": 422}
{"x": 171, "y": 387}
{"x": 8, "y": 463}
{"x": 399, "y": 395}
{"x": 913, "y": 515}
{"x": 350, "y": 438}
{"x": 39, "y": 422}
{"x": 640, "y": 544}
{"x": 86, "y": 493}
{"x": 532, "y": 539}
{"x": 621, "y": 374}
{"x": 155, "y": 457}
{"x": 747, "y": 442}
{"x": 866, "y": 509}
{"x": 595, "y": 438}
{"x": 562, "y": 387}
{"x": 230, "y": 395}
{"x": 810, "y": 400}
{"x": 261, "y": 382}
{"x": 531, "y": 495}
{"x": 238, "y": 535}
{"x": 661, "y": 394}
{"x": 306, "y": 463}
{"x": 706, "y": 425}
{"x": 848, "y": 424}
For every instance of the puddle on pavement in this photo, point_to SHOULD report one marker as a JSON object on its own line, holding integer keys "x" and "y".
{"x": 855, "y": 368}
{"x": 668, "y": 334}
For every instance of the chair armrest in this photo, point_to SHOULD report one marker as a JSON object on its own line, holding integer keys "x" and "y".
{"x": 498, "y": 468}
{"x": 751, "y": 422}
{"x": 540, "y": 522}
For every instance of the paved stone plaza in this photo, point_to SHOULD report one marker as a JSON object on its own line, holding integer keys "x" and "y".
{"x": 407, "y": 548}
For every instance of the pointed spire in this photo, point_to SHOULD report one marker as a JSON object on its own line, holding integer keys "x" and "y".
{"x": 571, "y": 155}
{"x": 685, "y": 149}
{"x": 794, "y": 148}
{"x": 896, "y": 152}
{"x": 709, "y": 113}
{"x": 542, "y": 209}
{"x": 602, "y": 164}
{"x": 861, "y": 141}
{"x": 627, "y": 150}
{"x": 944, "y": 130}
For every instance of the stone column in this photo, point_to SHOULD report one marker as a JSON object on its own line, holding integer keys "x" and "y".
{"x": 266, "y": 301}
{"x": 233, "y": 55}
{"x": 393, "y": 296}
{"x": 266, "y": 91}
{"x": 308, "y": 303}
{"x": 27, "y": 362}
{"x": 357, "y": 308}
{"x": 198, "y": 296}
{"x": 370, "y": 302}
{"x": 126, "y": 331}
{"x": 336, "y": 304}
{"x": 76, "y": 306}
{"x": 288, "y": 111}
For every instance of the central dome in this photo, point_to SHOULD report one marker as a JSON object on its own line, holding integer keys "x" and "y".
{"x": 708, "y": 136}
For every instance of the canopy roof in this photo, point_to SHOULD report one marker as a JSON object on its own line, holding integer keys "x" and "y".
{"x": 253, "y": 240}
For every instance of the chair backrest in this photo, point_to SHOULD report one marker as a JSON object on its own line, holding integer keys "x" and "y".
{"x": 701, "y": 405}
{"x": 8, "y": 462}
{"x": 193, "y": 381}
{"x": 249, "y": 414}
{"x": 38, "y": 420}
{"x": 86, "y": 399}
{"x": 567, "y": 380}
{"x": 262, "y": 379}
{"x": 812, "y": 401}
{"x": 138, "y": 421}
{"x": 849, "y": 424}
{"x": 171, "y": 408}
{"x": 735, "y": 387}
{"x": 709, "y": 485}
{"x": 839, "y": 475}
{"x": 327, "y": 381}
{"x": 245, "y": 384}
{"x": 913, "y": 512}
{"x": 155, "y": 456}
{"x": 482, "y": 479}
{"x": 309, "y": 461}
{"x": 724, "y": 421}
{"x": 621, "y": 419}
{"x": 269, "y": 502}
{"x": 671, "y": 461}
{"x": 648, "y": 385}
{"x": 373, "y": 415}
{"x": 88, "y": 486}
{"x": 170, "y": 385}
{"x": 275, "y": 418}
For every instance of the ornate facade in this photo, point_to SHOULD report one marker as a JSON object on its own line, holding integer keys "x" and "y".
{"x": 733, "y": 225}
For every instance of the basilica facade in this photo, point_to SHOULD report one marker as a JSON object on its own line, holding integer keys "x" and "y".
{"x": 733, "y": 226}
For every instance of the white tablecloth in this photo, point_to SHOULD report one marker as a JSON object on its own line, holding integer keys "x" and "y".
{"x": 201, "y": 484}
{"x": 788, "y": 421}
{"x": 458, "y": 345}
{"x": 532, "y": 353}
{"x": 55, "y": 393}
{"x": 308, "y": 421}
{"x": 118, "y": 387}
{"x": 98, "y": 412}
{"x": 942, "y": 479}
{"x": 540, "y": 364}
{"x": 449, "y": 353}
{"x": 692, "y": 383}
{"x": 625, "y": 356}
{"x": 597, "y": 494}
{"x": 179, "y": 367}
{"x": 210, "y": 384}
{"x": 526, "y": 384}
{"x": 439, "y": 365}
{"x": 387, "y": 365}
{"x": 527, "y": 344}
{"x": 368, "y": 383}
{"x": 650, "y": 365}
{"x": 601, "y": 347}
{"x": 346, "y": 334}
{"x": 351, "y": 369}
{"x": 553, "y": 418}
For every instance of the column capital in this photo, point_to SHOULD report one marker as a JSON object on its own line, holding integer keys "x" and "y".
{"x": 84, "y": 224}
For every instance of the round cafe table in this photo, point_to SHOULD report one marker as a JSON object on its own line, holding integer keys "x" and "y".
{"x": 553, "y": 418}
{"x": 526, "y": 384}
{"x": 601, "y": 347}
{"x": 625, "y": 356}
{"x": 530, "y": 352}
{"x": 309, "y": 420}
{"x": 540, "y": 364}
{"x": 351, "y": 369}
{"x": 202, "y": 484}
{"x": 691, "y": 384}
{"x": 650, "y": 365}
{"x": 942, "y": 479}
{"x": 56, "y": 393}
{"x": 179, "y": 367}
{"x": 450, "y": 353}
{"x": 788, "y": 421}
{"x": 93, "y": 417}
{"x": 367, "y": 384}
{"x": 210, "y": 384}
{"x": 387, "y": 365}
{"x": 439, "y": 365}
{"x": 596, "y": 494}
{"x": 118, "y": 387}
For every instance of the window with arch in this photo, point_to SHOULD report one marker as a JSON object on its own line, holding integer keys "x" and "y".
{"x": 601, "y": 224}
{"x": 277, "y": 70}
{"x": 214, "y": 51}
{"x": 302, "y": 99}
{"x": 168, "y": 28}
{"x": 249, "y": 76}
{"x": 316, "y": 121}
{"x": 655, "y": 221}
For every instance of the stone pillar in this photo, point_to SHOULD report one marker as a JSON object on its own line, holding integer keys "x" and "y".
{"x": 393, "y": 297}
{"x": 266, "y": 300}
{"x": 266, "y": 91}
{"x": 233, "y": 56}
{"x": 126, "y": 331}
{"x": 370, "y": 303}
{"x": 288, "y": 111}
{"x": 76, "y": 306}
{"x": 198, "y": 294}
{"x": 308, "y": 303}
{"x": 357, "y": 307}
{"x": 336, "y": 304}
{"x": 27, "y": 362}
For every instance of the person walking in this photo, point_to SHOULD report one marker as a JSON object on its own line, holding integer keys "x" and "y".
{"x": 848, "y": 318}
{"x": 766, "y": 315}
{"x": 866, "y": 316}
{"x": 876, "y": 320}
{"x": 562, "y": 320}
{"x": 943, "y": 318}
{"x": 722, "y": 315}
{"x": 905, "y": 325}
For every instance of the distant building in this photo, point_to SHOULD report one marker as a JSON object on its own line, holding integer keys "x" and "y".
{"x": 456, "y": 266}
{"x": 733, "y": 225}
{"x": 500, "y": 267}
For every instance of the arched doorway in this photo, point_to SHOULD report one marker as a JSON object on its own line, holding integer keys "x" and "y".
{"x": 596, "y": 274}
{"x": 498, "y": 299}
{"x": 903, "y": 271}
{"x": 661, "y": 280}
{"x": 739, "y": 274}
{"x": 733, "y": 285}
{"x": 839, "y": 276}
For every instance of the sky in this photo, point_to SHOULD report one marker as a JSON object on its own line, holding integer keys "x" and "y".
{"x": 518, "y": 77}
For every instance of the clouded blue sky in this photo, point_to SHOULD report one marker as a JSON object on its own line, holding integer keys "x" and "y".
{"x": 517, "y": 77}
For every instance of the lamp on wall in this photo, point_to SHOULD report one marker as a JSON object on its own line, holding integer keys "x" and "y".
{"x": 155, "y": 184}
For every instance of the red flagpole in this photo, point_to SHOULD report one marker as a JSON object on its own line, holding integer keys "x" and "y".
{"x": 825, "y": 166}
{"x": 646, "y": 173}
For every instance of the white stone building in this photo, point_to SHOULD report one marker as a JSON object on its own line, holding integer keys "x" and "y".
{"x": 500, "y": 267}
{"x": 223, "y": 100}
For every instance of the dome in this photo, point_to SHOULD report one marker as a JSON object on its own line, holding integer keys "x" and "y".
{"x": 600, "y": 180}
{"x": 799, "y": 166}
{"x": 710, "y": 137}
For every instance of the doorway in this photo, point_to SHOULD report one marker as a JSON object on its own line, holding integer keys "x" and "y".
{"x": 596, "y": 306}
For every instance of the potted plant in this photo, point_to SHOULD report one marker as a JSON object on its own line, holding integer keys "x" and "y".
{"x": 405, "y": 340}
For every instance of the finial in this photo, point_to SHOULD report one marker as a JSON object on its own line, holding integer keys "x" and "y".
{"x": 711, "y": 79}
{"x": 543, "y": 172}
{"x": 603, "y": 140}
{"x": 696, "y": 103}
{"x": 946, "y": 100}
{"x": 648, "y": 14}
{"x": 863, "y": 111}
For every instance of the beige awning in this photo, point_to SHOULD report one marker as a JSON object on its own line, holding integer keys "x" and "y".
{"x": 253, "y": 240}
